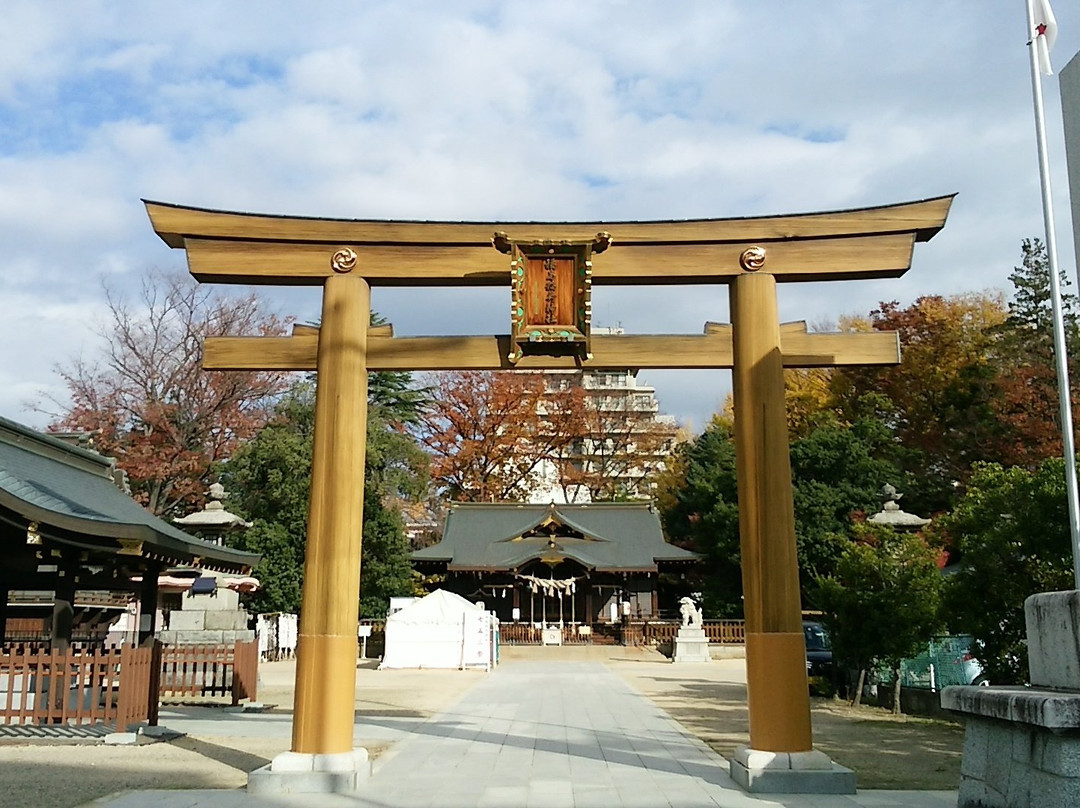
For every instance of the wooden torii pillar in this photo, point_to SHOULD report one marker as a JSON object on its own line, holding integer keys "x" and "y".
{"x": 347, "y": 257}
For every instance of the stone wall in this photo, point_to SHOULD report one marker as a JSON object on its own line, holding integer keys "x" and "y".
{"x": 215, "y": 618}
{"x": 1007, "y": 764}
{"x": 1022, "y": 744}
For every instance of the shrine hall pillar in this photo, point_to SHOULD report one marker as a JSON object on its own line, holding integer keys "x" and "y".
{"x": 777, "y": 689}
{"x": 327, "y": 649}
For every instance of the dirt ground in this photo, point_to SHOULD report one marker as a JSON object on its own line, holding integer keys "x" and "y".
{"x": 709, "y": 701}
{"x": 886, "y": 751}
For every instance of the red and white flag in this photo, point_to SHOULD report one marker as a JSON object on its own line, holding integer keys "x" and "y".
{"x": 1044, "y": 34}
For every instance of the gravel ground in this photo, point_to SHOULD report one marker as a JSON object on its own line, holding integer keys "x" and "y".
{"x": 709, "y": 700}
{"x": 64, "y": 774}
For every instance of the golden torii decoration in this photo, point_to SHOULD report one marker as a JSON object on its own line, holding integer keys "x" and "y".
{"x": 348, "y": 257}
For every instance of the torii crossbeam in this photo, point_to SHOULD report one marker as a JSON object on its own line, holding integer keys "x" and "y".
{"x": 752, "y": 255}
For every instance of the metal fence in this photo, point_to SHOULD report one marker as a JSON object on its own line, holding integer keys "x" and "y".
{"x": 946, "y": 661}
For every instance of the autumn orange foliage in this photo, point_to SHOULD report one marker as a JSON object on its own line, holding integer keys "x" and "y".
{"x": 490, "y": 433}
{"x": 148, "y": 402}
{"x": 503, "y": 436}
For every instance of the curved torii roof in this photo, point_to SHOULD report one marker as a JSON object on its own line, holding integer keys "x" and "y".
{"x": 235, "y": 247}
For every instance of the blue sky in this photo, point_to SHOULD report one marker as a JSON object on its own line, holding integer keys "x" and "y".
{"x": 506, "y": 110}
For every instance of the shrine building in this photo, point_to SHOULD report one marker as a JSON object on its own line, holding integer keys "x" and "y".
{"x": 558, "y": 564}
{"x": 77, "y": 547}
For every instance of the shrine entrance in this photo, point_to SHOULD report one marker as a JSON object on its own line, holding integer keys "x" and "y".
{"x": 551, "y": 268}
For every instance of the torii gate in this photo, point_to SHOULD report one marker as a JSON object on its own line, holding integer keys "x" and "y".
{"x": 348, "y": 257}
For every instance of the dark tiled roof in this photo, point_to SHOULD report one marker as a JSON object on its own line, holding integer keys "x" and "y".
{"x": 57, "y": 485}
{"x": 613, "y": 536}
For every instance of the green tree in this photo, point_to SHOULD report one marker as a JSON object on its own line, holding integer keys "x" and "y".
{"x": 836, "y": 471}
{"x": 386, "y": 570}
{"x": 1027, "y": 406}
{"x": 699, "y": 508}
{"x": 1011, "y": 529}
{"x": 1030, "y": 321}
{"x": 883, "y": 601}
{"x": 271, "y": 477}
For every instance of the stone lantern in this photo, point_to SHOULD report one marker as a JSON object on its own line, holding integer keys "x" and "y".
{"x": 213, "y": 521}
{"x": 891, "y": 515}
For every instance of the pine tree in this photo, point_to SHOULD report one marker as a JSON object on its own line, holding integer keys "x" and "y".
{"x": 1029, "y": 327}
{"x": 1027, "y": 402}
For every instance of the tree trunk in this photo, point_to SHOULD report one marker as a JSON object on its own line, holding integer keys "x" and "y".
{"x": 896, "y": 691}
{"x": 856, "y": 700}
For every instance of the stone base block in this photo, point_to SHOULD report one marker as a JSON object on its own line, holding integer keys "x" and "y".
{"x": 691, "y": 645}
{"x": 810, "y": 772}
{"x": 299, "y": 773}
{"x": 121, "y": 738}
{"x": 1021, "y": 747}
{"x": 158, "y": 732}
{"x": 1053, "y": 635}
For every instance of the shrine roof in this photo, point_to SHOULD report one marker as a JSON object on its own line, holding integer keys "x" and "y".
{"x": 72, "y": 495}
{"x": 619, "y": 536}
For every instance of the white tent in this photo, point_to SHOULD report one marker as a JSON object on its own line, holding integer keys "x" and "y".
{"x": 441, "y": 630}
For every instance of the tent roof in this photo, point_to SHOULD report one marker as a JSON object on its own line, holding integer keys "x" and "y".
{"x": 505, "y": 536}
{"x": 440, "y": 606}
{"x": 73, "y": 496}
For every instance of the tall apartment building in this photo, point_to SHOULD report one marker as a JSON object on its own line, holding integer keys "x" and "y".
{"x": 625, "y": 443}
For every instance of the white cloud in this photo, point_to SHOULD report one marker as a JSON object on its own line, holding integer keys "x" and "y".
{"x": 514, "y": 110}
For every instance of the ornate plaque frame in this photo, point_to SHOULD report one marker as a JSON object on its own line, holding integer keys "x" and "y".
{"x": 550, "y": 295}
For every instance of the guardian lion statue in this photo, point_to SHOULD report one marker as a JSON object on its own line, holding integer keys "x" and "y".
{"x": 691, "y": 614}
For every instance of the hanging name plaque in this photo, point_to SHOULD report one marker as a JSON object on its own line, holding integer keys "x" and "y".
{"x": 551, "y": 295}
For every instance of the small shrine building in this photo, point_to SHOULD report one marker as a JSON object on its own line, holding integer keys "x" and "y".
{"x": 76, "y": 544}
{"x": 557, "y": 564}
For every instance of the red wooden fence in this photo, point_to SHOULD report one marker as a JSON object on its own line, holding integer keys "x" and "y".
{"x": 526, "y": 634}
{"x": 76, "y": 687}
{"x": 210, "y": 670}
{"x": 118, "y": 686}
{"x": 718, "y": 631}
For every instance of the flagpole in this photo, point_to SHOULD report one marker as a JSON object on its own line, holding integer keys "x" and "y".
{"x": 1055, "y": 299}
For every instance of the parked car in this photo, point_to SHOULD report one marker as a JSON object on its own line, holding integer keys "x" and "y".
{"x": 820, "y": 667}
{"x": 973, "y": 671}
{"x": 947, "y": 660}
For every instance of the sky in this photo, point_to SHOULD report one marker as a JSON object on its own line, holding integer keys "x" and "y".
{"x": 517, "y": 110}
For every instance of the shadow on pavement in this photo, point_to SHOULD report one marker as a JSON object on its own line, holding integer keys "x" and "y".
{"x": 234, "y": 758}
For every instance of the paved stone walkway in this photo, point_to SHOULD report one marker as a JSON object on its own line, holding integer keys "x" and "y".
{"x": 545, "y": 735}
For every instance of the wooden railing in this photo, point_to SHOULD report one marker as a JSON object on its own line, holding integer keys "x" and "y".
{"x": 718, "y": 631}
{"x": 633, "y": 633}
{"x": 76, "y": 687}
{"x": 210, "y": 671}
{"x": 732, "y": 632}
{"x": 527, "y": 634}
